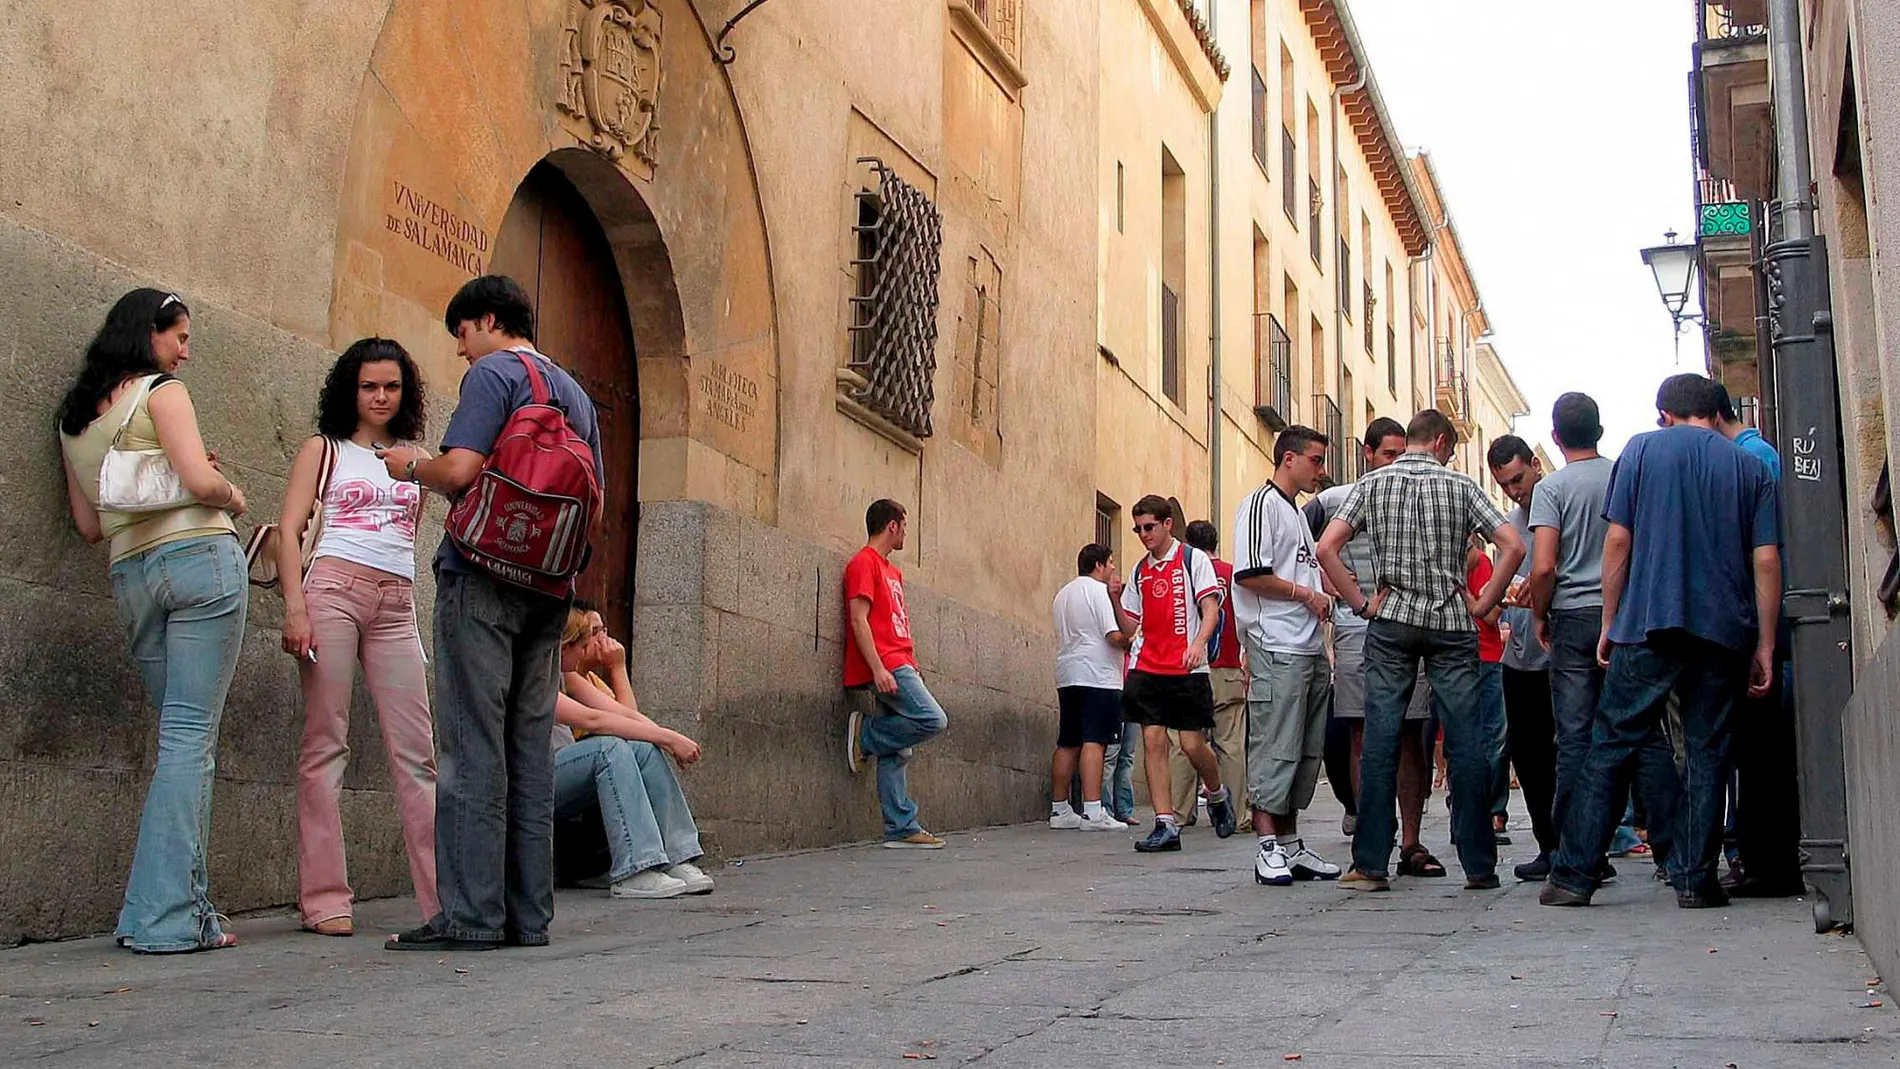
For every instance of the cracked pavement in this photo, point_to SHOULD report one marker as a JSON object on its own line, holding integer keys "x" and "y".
{"x": 1013, "y": 947}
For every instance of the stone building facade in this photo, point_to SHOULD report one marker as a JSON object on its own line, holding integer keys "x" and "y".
{"x": 737, "y": 258}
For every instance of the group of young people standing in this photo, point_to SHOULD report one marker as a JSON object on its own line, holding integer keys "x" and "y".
{"x": 518, "y": 672}
{"x": 1628, "y": 607}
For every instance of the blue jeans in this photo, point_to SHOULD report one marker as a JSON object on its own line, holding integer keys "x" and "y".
{"x": 1491, "y": 707}
{"x": 1393, "y": 653}
{"x": 183, "y": 606}
{"x": 1706, "y": 677}
{"x": 497, "y": 671}
{"x": 641, "y": 805}
{"x": 906, "y": 718}
{"x": 1118, "y": 779}
{"x": 1576, "y": 691}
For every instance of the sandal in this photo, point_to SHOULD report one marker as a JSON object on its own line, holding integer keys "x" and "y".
{"x": 1415, "y": 860}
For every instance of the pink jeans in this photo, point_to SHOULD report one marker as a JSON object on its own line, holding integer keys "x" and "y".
{"x": 361, "y": 614}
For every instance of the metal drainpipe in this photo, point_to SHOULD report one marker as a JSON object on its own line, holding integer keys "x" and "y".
{"x": 1339, "y": 305}
{"x": 1213, "y": 303}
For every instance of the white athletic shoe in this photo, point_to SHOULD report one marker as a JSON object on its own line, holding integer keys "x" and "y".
{"x": 1270, "y": 867}
{"x": 1065, "y": 821}
{"x": 1306, "y": 865}
{"x": 649, "y": 884}
{"x": 1101, "y": 823}
{"x": 694, "y": 877}
{"x": 853, "y": 744}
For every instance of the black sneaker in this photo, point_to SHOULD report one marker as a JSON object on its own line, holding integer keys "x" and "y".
{"x": 1536, "y": 870}
{"x": 430, "y": 938}
{"x": 1165, "y": 837}
{"x": 1607, "y": 874}
{"x": 1220, "y": 811}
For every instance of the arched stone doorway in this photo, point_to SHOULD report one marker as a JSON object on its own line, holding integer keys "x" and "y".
{"x": 554, "y": 245}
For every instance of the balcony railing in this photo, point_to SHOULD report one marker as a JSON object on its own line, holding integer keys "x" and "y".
{"x": 1273, "y": 372}
{"x": 1353, "y": 466}
{"x": 1731, "y": 20}
{"x": 1259, "y": 117}
{"x": 1313, "y": 205}
{"x": 1454, "y": 389}
{"x": 1000, "y": 17}
{"x": 1333, "y": 425}
{"x": 1170, "y": 343}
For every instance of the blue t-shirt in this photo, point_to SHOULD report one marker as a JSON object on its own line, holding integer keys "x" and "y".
{"x": 1752, "y": 441}
{"x": 493, "y": 388}
{"x": 1697, "y": 506}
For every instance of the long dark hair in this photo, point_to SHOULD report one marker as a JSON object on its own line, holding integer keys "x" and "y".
{"x": 121, "y": 350}
{"x": 336, "y": 405}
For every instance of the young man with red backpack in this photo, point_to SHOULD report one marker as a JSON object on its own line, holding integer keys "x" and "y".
{"x": 522, "y": 460}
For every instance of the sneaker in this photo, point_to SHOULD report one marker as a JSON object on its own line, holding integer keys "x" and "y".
{"x": 1270, "y": 867}
{"x": 1220, "y": 813}
{"x": 917, "y": 840}
{"x": 649, "y": 884}
{"x": 1165, "y": 837}
{"x": 1355, "y": 880}
{"x": 1553, "y": 895}
{"x": 854, "y": 742}
{"x": 1607, "y": 874}
{"x": 1536, "y": 870}
{"x": 694, "y": 877}
{"x": 1065, "y": 821}
{"x": 1348, "y": 825}
{"x": 1307, "y": 865}
{"x": 1101, "y": 823}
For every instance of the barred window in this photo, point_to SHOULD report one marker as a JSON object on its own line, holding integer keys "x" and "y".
{"x": 893, "y": 353}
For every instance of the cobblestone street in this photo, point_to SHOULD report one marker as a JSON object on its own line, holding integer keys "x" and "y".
{"x": 1013, "y": 947}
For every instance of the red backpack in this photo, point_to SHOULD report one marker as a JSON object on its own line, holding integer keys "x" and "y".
{"x": 527, "y": 516}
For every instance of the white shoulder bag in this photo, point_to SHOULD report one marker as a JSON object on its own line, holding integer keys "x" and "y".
{"x": 139, "y": 480}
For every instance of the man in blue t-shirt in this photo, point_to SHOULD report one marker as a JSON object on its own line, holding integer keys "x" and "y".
{"x": 1691, "y": 593}
{"x": 497, "y": 655}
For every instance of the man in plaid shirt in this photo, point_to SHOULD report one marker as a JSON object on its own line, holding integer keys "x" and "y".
{"x": 1420, "y": 516}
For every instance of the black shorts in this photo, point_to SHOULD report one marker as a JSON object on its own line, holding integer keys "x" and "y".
{"x": 1089, "y": 714}
{"x": 1178, "y": 703}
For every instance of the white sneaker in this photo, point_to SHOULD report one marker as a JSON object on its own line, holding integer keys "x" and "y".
{"x": 1101, "y": 823}
{"x": 694, "y": 877}
{"x": 1306, "y": 865}
{"x": 853, "y": 744}
{"x": 1065, "y": 821}
{"x": 1270, "y": 867}
{"x": 649, "y": 884}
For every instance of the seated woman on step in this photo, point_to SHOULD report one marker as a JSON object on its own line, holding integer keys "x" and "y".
{"x": 621, "y": 767}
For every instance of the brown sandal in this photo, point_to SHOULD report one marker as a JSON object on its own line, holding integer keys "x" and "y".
{"x": 341, "y": 927}
{"x": 1415, "y": 860}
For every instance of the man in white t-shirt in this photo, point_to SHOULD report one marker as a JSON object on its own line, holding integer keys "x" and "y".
{"x": 1088, "y": 688}
{"x": 1278, "y": 609}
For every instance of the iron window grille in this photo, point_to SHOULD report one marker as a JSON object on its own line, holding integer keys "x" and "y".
{"x": 1353, "y": 464}
{"x": 1259, "y": 117}
{"x": 1273, "y": 372}
{"x": 1333, "y": 425}
{"x": 1170, "y": 343}
{"x": 1345, "y": 276}
{"x": 1315, "y": 242}
{"x": 1290, "y": 183}
{"x": 1391, "y": 360}
{"x": 1371, "y": 304}
{"x": 894, "y": 307}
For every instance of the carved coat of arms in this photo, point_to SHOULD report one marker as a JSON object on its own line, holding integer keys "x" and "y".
{"x": 610, "y": 75}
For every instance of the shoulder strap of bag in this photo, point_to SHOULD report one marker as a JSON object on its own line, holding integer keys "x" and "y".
{"x": 537, "y": 383}
{"x": 329, "y": 469}
{"x": 145, "y": 390}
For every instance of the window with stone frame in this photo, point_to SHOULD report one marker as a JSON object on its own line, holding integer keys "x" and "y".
{"x": 892, "y": 362}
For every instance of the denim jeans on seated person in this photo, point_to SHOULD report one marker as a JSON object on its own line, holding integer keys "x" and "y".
{"x": 183, "y": 606}
{"x": 641, "y": 805}
{"x": 1393, "y": 653}
{"x": 1118, "y": 773}
{"x": 903, "y": 720}
{"x": 1707, "y": 678}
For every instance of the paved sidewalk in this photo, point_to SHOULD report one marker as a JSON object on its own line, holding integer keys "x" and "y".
{"x": 1014, "y": 947}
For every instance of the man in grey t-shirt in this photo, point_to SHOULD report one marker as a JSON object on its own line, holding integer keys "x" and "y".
{"x": 1566, "y": 595}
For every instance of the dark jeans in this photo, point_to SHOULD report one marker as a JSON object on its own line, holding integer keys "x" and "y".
{"x": 1491, "y": 700}
{"x": 1707, "y": 678}
{"x": 1769, "y": 824}
{"x": 1338, "y": 761}
{"x": 497, "y": 671}
{"x": 1576, "y": 691}
{"x": 1393, "y": 653}
{"x": 1532, "y": 738}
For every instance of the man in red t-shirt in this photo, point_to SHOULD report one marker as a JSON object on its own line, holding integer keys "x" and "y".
{"x": 1228, "y": 675}
{"x": 1171, "y": 603}
{"x": 879, "y": 658}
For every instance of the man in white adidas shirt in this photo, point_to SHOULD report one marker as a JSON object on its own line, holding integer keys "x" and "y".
{"x": 1088, "y": 688}
{"x": 1278, "y": 607}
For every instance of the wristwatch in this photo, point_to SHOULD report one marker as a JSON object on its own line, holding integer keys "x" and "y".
{"x": 409, "y": 470}
{"x": 1364, "y": 612}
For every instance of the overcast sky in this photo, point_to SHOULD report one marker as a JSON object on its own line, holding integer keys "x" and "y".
{"x": 1561, "y": 136}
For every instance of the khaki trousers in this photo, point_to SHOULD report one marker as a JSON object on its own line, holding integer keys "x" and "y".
{"x": 1229, "y": 741}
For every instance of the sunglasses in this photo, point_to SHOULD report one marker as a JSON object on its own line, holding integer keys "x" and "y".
{"x": 1144, "y": 528}
{"x": 170, "y": 299}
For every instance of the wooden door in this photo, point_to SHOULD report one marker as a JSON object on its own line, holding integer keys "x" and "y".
{"x": 553, "y": 245}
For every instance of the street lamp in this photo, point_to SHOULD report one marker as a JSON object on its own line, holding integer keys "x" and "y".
{"x": 1674, "y": 266}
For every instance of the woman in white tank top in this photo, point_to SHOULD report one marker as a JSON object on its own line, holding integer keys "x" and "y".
{"x": 357, "y": 606}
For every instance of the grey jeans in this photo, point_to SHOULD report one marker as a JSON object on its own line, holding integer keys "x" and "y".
{"x": 497, "y": 671}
